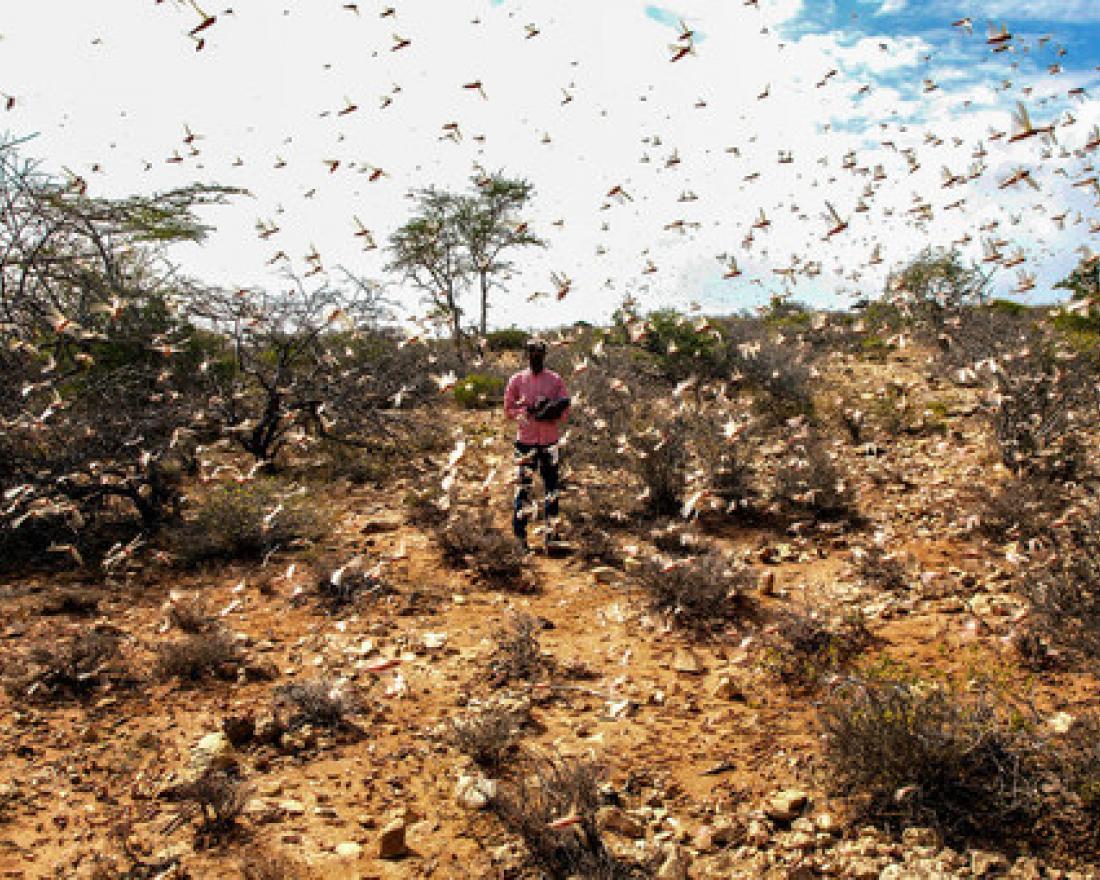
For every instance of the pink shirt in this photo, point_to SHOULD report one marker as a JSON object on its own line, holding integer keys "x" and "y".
{"x": 524, "y": 388}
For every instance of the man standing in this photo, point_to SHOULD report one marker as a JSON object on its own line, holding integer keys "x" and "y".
{"x": 536, "y": 399}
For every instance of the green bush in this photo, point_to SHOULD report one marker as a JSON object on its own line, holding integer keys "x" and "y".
{"x": 678, "y": 348}
{"x": 880, "y": 315}
{"x": 510, "y": 339}
{"x": 244, "y": 522}
{"x": 1008, "y": 307}
{"x": 874, "y": 345}
{"x": 1081, "y": 332}
{"x": 479, "y": 391}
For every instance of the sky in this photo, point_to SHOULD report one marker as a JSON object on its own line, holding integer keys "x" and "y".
{"x": 786, "y": 107}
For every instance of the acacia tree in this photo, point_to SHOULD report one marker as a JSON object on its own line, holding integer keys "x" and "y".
{"x": 489, "y": 225}
{"x": 936, "y": 286}
{"x": 428, "y": 253}
{"x": 1083, "y": 282}
{"x": 455, "y": 238}
{"x": 93, "y": 401}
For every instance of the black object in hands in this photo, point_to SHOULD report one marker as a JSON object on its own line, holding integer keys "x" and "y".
{"x": 546, "y": 410}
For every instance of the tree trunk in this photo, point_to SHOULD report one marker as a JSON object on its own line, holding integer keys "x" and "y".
{"x": 484, "y": 278}
{"x": 456, "y": 327}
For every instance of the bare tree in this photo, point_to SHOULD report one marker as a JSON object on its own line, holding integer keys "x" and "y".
{"x": 305, "y": 358}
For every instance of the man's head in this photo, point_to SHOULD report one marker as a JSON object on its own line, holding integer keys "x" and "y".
{"x": 536, "y": 353}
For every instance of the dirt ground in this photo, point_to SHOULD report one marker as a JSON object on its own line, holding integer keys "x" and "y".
{"x": 690, "y": 730}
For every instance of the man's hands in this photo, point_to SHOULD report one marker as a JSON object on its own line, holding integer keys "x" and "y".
{"x": 548, "y": 410}
{"x": 533, "y": 409}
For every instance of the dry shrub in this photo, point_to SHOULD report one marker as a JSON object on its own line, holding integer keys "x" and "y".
{"x": 517, "y": 655}
{"x": 470, "y": 540}
{"x": 601, "y": 413}
{"x": 1079, "y": 771}
{"x": 198, "y": 656}
{"x": 545, "y": 790}
{"x": 1065, "y": 592}
{"x": 486, "y": 737}
{"x": 923, "y": 755}
{"x": 191, "y": 614}
{"x": 881, "y": 570}
{"x": 808, "y": 479}
{"x": 264, "y": 864}
{"x": 1045, "y": 404}
{"x": 730, "y": 479}
{"x": 319, "y": 703}
{"x": 337, "y": 592}
{"x": 422, "y": 509}
{"x": 780, "y": 381}
{"x": 75, "y": 601}
{"x": 217, "y": 798}
{"x": 1033, "y": 650}
{"x": 677, "y": 537}
{"x": 660, "y": 461}
{"x": 802, "y": 647}
{"x": 69, "y": 670}
{"x": 705, "y": 592}
{"x": 594, "y": 543}
{"x": 1020, "y": 510}
{"x": 244, "y": 522}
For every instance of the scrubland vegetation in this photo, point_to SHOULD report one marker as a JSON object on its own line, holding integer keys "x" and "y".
{"x": 831, "y": 590}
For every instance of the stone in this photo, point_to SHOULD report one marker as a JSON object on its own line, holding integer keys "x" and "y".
{"x": 729, "y": 688}
{"x": 687, "y": 662}
{"x": 434, "y": 640}
{"x": 757, "y": 834}
{"x": 798, "y": 840}
{"x": 304, "y": 739}
{"x": 349, "y": 849}
{"x": 766, "y": 584}
{"x": 987, "y": 864}
{"x": 675, "y": 865}
{"x": 268, "y": 729}
{"x": 213, "y": 752}
{"x": 604, "y": 574}
{"x": 239, "y": 729}
{"x": 826, "y": 823}
{"x": 703, "y": 839}
{"x": 292, "y": 807}
{"x": 786, "y": 805}
{"x": 391, "y": 840}
{"x": 475, "y": 792}
{"x": 862, "y": 869}
{"x": 620, "y": 822}
{"x": 1027, "y": 868}
{"x": 727, "y": 831}
{"x": 381, "y": 525}
{"x": 920, "y": 837}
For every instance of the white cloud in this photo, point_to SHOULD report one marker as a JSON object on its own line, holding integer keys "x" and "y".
{"x": 1074, "y": 11}
{"x": 889, "y": 7}
{"x": 259, "y": 87}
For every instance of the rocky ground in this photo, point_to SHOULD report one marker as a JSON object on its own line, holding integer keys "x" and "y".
{"x": 713, "y": 767}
